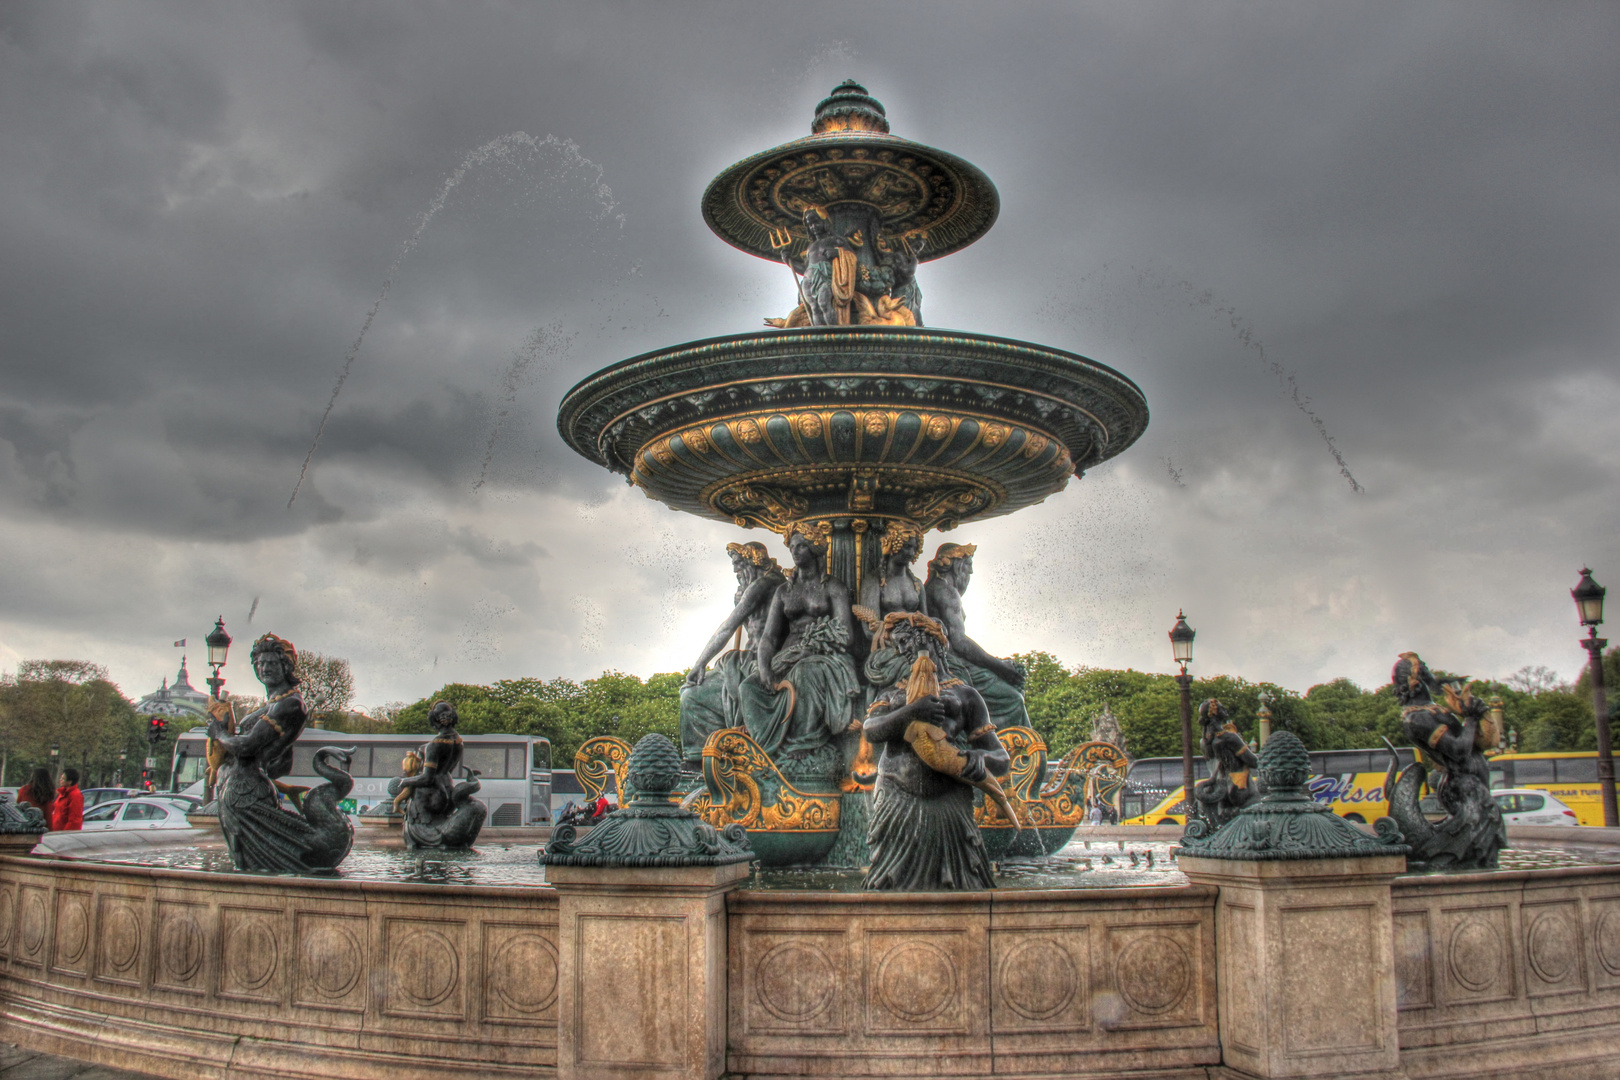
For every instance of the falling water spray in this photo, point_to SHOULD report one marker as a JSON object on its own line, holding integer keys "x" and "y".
{"x": 503, "y": 149}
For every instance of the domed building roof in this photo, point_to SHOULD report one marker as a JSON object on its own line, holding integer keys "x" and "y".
{"x": 179, "y": 699}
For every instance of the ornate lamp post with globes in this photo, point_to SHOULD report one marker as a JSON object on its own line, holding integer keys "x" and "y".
{"x": 1181, "y": 645}
{"x": 1589, "y": 602}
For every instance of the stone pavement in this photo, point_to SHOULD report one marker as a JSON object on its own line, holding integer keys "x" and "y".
{"x": 19, "y": 1064}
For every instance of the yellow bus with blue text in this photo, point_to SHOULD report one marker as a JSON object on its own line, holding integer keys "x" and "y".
{"x": 1350, "y": 782}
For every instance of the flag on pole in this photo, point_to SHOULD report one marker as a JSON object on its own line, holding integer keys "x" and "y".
{"x": 180, "y": 644}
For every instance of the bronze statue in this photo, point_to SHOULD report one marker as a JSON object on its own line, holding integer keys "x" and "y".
{"x": 1228, "y": 788}
{"x": 829, "y": 271}
{"x": 895, "y": 587}
{"x": 999, "y": 682}
{"x": 439, "y": 813}
{"x": 709, "y": 698}
{"x": 804, "y": 692}
{"x": 1451, "y": 737}
{"x": 259, "y": 834}
{"x": 938, "y": 745}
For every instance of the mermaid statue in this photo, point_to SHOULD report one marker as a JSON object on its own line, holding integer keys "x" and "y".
{"x": 938, "y": 746}
{"x": 710, "y": 697}
{"x": 439, "y": 813}
{"x": 804, "y": 693}
{"x": 259, "y": 834}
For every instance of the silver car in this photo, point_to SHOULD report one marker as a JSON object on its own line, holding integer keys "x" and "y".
{"x": 135, "y": 814}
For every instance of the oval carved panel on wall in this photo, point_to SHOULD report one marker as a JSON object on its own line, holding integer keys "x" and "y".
{"x": 8, "y": 912}
{"x": 917, "y": 981}
{"x": 72, "y": 929}
{"x": 1038, "y": 979}
{"x": 1550, "y": 947}
{"x": 32, "y": 924}
{"x": 795, "y": 982}
{"x": 1475, "y": 954}
{"x": 425, "y": 967}
{"x": 120, "y": 938}
{"x": 523, "y": 975}
{"x": 1153, "y": 973}
{"x": 331, "y": 960}
{"x": 1606, "y": 938}
{"x": 180, "y": 947}
{"x": 251, "y": 955}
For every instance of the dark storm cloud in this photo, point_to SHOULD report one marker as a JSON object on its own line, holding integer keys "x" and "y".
{"x": 1407, "y": 211}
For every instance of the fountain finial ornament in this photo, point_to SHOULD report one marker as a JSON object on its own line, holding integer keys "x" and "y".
{"x": 652, "y": 830}
{"x": 1288, "y": 823}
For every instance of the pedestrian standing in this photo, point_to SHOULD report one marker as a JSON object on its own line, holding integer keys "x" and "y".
{"x": 39, "y": 792}
{"x": 68, "y": 811}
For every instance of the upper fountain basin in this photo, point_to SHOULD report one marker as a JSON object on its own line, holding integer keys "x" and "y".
{"x": 932, "y": 426}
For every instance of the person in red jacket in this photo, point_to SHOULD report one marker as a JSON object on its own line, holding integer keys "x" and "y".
{"x": 68, "y": 811}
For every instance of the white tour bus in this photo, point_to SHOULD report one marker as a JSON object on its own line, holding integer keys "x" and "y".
{"x": 514, "y": 770}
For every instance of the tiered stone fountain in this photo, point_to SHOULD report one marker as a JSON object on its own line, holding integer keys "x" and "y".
{"x": 851, "y": 421}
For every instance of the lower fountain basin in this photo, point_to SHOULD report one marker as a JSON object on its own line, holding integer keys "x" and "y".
{"x": 188, "y": 973}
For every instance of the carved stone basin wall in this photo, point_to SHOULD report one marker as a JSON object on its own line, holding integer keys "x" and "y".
{"x": 194, "y": 975}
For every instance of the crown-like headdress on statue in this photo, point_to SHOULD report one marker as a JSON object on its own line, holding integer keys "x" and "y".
{"x": 754, "y": 551}
{"x": 949, "y": 553}
{"x": 1412, "y": 678}
{"x": 931, "y": 627}
{"x": 819, "y": 533}
{"x": 896, "y": 535}
{"x": 269, "y": 642}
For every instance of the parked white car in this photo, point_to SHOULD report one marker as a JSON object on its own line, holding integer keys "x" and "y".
{"x": 1527, "y": 806}
{"x": 135, "y": 814}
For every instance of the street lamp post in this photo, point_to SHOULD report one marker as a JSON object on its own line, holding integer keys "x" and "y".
{"x": 219, "y": 643}
{"x": 1181, "y": 645}
{"x": 1588, "y": 596}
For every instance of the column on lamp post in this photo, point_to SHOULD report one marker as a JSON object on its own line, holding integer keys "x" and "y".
{"x": 1588, "y": 596}
{"x": 1181, "y": 645}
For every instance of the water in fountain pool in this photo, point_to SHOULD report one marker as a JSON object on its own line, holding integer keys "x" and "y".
{"x": 1077, "y": 866}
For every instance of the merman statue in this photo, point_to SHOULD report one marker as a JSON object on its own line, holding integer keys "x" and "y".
{"x": 440, "y": 813}
{"x": 709, "y": 698}
{"x": 1451, "y": 735}
{"x": 1228, "y": 787}
{"x": 999, "y": 682}
{"x": 938, "y": 744}
{"x": 259, "y": 834}
{"x": 829, "y": 271}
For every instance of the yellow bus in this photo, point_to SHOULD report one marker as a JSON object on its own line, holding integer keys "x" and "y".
{"x": 1351, "y": 782}
{"x": 1570, "y": 778}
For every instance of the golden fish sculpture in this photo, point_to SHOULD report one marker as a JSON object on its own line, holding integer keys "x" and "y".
{"x": 933, "y": 745}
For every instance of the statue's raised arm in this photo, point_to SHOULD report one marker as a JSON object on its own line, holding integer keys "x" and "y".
{"x": 709, "y": 698}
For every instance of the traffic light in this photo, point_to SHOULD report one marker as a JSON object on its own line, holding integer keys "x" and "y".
{"x": 155, "y": 728}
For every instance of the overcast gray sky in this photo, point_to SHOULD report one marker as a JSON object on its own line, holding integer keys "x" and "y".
{"x": 1395, "y": 225}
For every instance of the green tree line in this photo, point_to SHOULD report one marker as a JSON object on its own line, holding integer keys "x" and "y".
{"x": 72, "y": 705}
